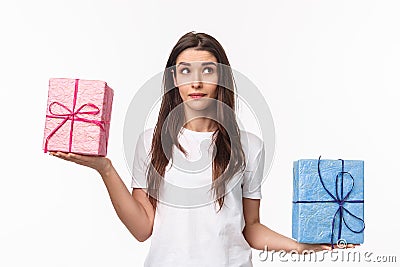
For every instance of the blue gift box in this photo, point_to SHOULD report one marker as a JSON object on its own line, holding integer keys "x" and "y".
{"x": 328, "y": 201}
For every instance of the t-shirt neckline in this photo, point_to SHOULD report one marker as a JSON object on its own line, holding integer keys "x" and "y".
{"x": 196, "y": 132}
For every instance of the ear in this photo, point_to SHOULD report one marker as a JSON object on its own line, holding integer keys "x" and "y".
{"x": 174, "y": 78}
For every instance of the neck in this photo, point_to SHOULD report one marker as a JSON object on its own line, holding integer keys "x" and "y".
{"x": 200, "y": 121}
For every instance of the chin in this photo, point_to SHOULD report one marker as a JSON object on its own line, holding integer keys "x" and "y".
{"x": 198, "y": 105}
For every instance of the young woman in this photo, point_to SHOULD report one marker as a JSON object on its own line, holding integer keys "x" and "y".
{"x": 197, "y": 113}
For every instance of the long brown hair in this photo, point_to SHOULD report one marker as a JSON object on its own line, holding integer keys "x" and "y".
{"x": 169, "y": 123}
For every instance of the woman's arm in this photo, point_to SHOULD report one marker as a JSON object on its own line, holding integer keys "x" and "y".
{"x": 261, "y": 237}
{"x": 133, "y": 210}
{"x": 258, "y": 235}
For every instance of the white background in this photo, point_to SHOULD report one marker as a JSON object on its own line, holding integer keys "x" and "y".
{"x": 329, "y": 71}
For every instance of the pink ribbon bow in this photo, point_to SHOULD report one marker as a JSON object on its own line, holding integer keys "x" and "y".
{"x": 73, "y": 116}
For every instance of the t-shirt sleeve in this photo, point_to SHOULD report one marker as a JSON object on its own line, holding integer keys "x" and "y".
{"x": 140, "y": 163}
{"x": 253, "y": 175}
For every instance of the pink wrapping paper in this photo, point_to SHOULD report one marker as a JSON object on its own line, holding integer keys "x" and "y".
{"x": 82, "y": 128}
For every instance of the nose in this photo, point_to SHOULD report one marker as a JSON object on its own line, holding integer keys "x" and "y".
{"x": 197, "y": 84}
{"x": 196, "y": 79}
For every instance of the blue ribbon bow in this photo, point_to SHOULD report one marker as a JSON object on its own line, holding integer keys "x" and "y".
{"x": 340, "y": 200}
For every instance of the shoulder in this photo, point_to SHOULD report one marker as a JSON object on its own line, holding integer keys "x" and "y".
{"x": 147, "y": 134}
{"x": 145, "y": 139}
{"x": 250, "y": 142}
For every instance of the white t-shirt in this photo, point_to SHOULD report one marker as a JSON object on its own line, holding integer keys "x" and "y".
{"x": 187, "y": 230}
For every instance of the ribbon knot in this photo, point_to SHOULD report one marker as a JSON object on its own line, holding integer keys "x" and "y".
{"x": 341, "y": 200}
{"x": 72, "y": 115}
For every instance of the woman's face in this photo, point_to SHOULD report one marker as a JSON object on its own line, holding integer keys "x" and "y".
{"x": 196, "y": 78}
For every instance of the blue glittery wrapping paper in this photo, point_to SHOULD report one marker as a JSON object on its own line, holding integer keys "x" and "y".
{"x": 312, "y": 222}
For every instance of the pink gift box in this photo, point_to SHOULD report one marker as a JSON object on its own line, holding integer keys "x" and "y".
{"x": 78, "y": 116}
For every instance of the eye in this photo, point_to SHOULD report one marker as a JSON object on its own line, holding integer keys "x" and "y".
{"x": 208, "y": 70}
{"x": 185, "y": 71}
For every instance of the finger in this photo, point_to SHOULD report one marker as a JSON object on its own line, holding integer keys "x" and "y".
{"x": 61, "y": 154}
{"x": 74, "y": 157}
{"x": 70, "y": 156}
{"x": 55, "y": 153}
{"x": 65, "y": 156}
{"x": 343, "y": 246}
{"x": 327, "y": 247}
{"x": 324, "y": 247}
{"x": 78, "y": 157}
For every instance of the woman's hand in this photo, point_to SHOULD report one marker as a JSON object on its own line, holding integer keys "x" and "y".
{"x": 99, "y": 163}
{"x": 304, "y": 247}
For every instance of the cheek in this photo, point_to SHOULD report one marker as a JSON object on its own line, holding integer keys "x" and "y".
{"x": 183, "y": 91}
{"x": 213, "y": 91}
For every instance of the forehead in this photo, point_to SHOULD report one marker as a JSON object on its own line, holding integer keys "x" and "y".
{"x": 192, "y": 55}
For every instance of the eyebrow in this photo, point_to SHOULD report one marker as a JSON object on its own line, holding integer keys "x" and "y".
{"x": 203, "y": 64}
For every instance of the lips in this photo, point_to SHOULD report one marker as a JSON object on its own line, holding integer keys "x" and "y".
{"x": 197, "y": 95}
